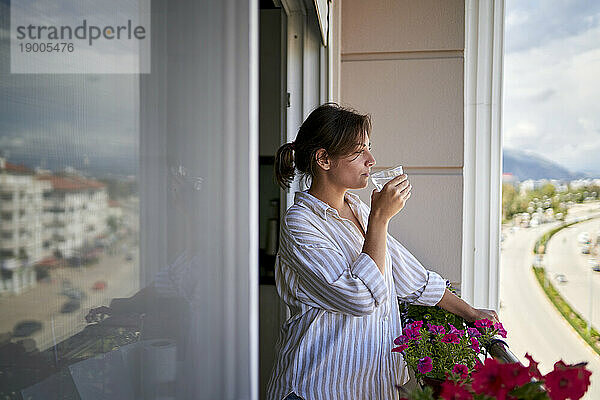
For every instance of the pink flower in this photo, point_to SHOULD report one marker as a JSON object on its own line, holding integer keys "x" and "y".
{"x": 415, "y": 325}
{"x": 412, "y": 334}
{"x": 501, "y": 331}
{"x": 424, "y": 365}
{"x": 567, "y": 381}
{"x": 533, "y": 367}
{"x": 400, "y": 348}
{"x": 453, "y": 330}
{"x": 473, "y": 332}
{"x": 474, "y": 344}
{"x": 488, "y": 380}
{"x": 461, "y": 369}
{"x": 454, "y": 391}
{"x": 513, "y": 375}
{"x": 436, "y": 329}
{"x": 451, "y": 338}
{"x": 484, "y": 323}
{"x": 401, "y": 339}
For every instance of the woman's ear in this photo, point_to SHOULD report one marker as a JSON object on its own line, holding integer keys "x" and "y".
{"x": 323, "y": 160}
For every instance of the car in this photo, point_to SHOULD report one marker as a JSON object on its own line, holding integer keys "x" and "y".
{"x": 596, "y": 268}
{"x": 561, "y": 278}
{"x": 26, "y": 328}
{"x": 584, "y": 238}
{"x": 70, "y": 306}
{"x": 74, "y": 293}
{"x": 585, "y": 249}
{"x": 99, "y": 285}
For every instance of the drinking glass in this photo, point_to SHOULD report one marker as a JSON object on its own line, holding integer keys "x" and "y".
{"x": 380, "y": 178}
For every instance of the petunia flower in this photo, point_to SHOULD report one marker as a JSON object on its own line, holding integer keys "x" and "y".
{"x": 475, "y": 344}
{"x": 473, "y": 332}
{"x": 454, "y": 391}
{"x": 567, "y": 382}
{"x": 488, "y": 380}
{"x": 501, "y": 331}
{"x": 461, "y": 369}
{"x": 412, "y": 334}
{"x": 415, "y": 325}
{"x": 513, "y": 375}
{"x": 452, "y": 329}
{"x": 424, "y": 365}
{"x": 450, "y": 338}
{"x": 436, "y": 329}
{"x": 484, "y": 323}
{"x": 533, "y": 367}
{"x": 400, "y": 348}
{"x": 401, "y": 339}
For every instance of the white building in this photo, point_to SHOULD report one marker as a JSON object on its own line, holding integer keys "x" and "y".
{"x": 21, "y": 228}
{"x": 559, "y": 185}
{"x": 527, "y": 186}
{"x": 75, "y": 212}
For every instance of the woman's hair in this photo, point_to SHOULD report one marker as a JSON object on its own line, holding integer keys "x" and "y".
{"x": 330, "y": 126}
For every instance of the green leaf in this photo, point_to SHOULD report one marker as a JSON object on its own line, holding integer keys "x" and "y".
{"x": 530, "y": 391}
{"x": 422, "y": 394}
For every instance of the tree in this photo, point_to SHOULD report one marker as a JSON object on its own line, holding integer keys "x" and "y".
{"x": 113, "y": 223}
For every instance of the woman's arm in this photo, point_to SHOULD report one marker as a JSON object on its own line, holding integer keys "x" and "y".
{"x": 375, "y": 242}
{"x": 454, "y": 304}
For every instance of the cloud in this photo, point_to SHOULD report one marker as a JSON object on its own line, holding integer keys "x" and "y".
{"x": 536, "y": 23}
{"x": 551, "y": 85}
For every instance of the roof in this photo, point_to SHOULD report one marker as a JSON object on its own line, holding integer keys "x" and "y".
{"x": 16, "y": 169}
{"x": 71, "y": 183}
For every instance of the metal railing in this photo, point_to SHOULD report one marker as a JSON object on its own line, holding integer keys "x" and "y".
{"x": 499, "y": 350}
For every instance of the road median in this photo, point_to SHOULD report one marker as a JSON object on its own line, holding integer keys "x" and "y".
{"x": 590, "y": 336}
{"x": 573, "y": 318}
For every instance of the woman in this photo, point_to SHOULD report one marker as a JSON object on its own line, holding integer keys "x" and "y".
{"x": 340, "y": 272}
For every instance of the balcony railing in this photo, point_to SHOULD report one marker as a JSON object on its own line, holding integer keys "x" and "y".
{"x": 498, "y": 349}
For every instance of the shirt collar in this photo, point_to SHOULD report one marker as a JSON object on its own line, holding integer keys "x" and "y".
{"x": 321, "y": 208}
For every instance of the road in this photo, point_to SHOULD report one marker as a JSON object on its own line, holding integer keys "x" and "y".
{"x": 533, "y": 324}
{"x": 43, "y": 302}
{"x": 564, "y": 257}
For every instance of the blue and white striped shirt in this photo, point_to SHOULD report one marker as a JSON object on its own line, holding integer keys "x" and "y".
{"x": 344, "y": 313}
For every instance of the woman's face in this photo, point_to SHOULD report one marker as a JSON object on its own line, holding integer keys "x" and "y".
{"x": 352, "y": 171}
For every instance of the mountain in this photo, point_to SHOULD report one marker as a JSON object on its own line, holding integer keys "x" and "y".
{"x": 527, "y": 165}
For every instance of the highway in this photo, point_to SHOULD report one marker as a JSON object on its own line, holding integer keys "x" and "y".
{"x": 564, "y": 257}
{"x": 533, "y": 324}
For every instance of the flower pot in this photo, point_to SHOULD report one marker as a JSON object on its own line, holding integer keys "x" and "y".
{"x": 434, "y": 383}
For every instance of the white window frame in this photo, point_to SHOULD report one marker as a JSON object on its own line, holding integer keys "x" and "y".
{"x": 309, "y": 73}
{"x": 483, "y": 71}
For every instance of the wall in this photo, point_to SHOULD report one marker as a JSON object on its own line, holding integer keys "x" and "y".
{"x": 405, "y": 68}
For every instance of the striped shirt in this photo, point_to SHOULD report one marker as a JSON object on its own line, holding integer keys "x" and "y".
{"x": 344, "y": 313}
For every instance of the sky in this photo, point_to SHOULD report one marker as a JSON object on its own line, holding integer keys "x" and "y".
{"x": 552, "y": 81}
{"x": 551, "y": 86}
{"x": 86, "y": 121}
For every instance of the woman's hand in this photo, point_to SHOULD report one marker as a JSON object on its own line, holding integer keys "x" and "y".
{"x": 479, "y": 313}
{"x": 391, "y": 199}
{"x": 454, "y": 304}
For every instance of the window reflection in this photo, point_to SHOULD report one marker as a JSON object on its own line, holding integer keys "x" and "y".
{"x": 69, "y": 229}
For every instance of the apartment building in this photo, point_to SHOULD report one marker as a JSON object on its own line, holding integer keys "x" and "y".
{"x": 75, "y": 211}
{"x": 42, "y": 215}
{"x": 21, "y": 226}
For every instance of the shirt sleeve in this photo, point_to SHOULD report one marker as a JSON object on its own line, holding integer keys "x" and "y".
{"x": 414, "y": 284}
{"x": 326, "y": 279}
